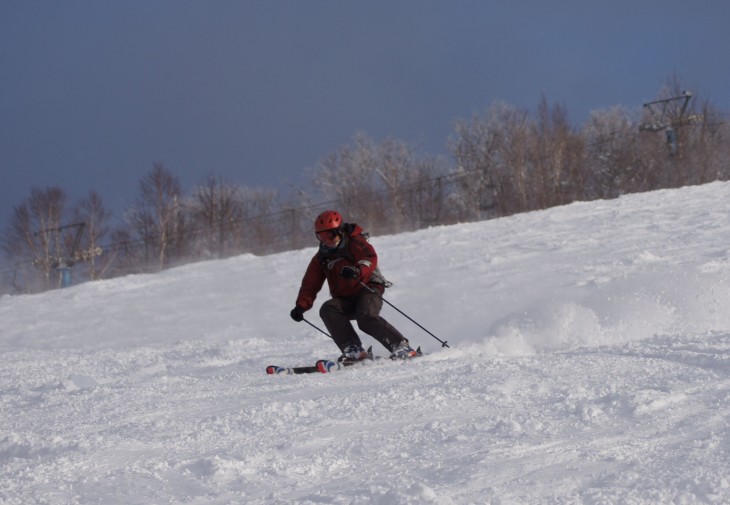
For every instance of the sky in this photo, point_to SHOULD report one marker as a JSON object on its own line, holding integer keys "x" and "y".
{"x": 588, "y": 363}
{"x": 256, "y": 92}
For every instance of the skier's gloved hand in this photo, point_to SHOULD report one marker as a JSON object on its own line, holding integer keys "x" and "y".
{"x": 297, "y": 313}
{"x": 350, "y": 272}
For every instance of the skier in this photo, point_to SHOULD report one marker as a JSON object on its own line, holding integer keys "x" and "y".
{"x": 348, "y": 262}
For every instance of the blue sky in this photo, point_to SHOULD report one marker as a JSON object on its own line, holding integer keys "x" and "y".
{"x": 257, "y": 91}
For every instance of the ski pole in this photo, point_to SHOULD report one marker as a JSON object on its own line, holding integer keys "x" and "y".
{"x": 443, "y": 342}
{"x": 316, "y": 327}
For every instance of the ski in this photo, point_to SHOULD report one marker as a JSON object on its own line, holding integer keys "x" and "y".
{"x": 281, "y": 370}
{"x": 329, "y": 366}
{"x": 322, "y": 366}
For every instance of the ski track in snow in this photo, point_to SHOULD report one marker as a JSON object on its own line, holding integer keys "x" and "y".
{"x": 589, "y": 364}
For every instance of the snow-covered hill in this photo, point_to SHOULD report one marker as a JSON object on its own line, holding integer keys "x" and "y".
{"x": 589, "y": 363}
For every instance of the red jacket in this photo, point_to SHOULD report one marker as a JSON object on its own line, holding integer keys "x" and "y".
{"x": 353, "y": 250}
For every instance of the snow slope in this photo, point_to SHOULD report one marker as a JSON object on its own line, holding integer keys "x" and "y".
{"x": 589, "y": 364}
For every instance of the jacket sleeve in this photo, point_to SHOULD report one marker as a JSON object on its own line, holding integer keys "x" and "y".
{"x": 364, "y": 256}
{"x": 312, "y": 282}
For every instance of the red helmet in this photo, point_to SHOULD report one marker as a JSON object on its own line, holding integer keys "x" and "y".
{"x": 327, "y": 220}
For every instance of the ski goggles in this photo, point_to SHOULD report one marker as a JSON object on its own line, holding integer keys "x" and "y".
{"x": 327, "y": 235}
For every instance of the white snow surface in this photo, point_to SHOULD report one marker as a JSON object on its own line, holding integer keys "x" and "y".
{"x": 589, "y": 364}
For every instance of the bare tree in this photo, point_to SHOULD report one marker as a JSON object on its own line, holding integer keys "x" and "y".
{"x": 421, "y": 195}
{"x": 34, "y": 236}
{"x": 91, "y": 211}
{"x": 705, "y": 146}
{"x": 610, "y": 140}
{"x": 217, "y": 213}
{"x": 258, "y": 231}
{"x": 157, "y": 217}
{"x": 346, "y": 176}
{"x": 474, "y": 148}
{"x": 492, "y": 151}
{"x": 236, "y": 218}
{"x": 125, "y": 254}
{"x": 398, "y": 187}
{"x": 556, "y": 154}
{"x": 379, "y": 185}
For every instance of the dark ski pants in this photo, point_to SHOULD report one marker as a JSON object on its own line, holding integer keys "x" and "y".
{"x": 364, "y": 308}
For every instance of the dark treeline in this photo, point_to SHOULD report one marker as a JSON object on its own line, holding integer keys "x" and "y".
{"x": 504, "y": 161}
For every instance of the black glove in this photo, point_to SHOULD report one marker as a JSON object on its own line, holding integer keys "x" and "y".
{"x": 350, "y": 272}
{"x": 297, "y": 313}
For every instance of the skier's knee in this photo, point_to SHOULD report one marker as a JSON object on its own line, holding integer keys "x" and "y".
{"x": 367, "y": 323}
{"x": 325, "y": 308}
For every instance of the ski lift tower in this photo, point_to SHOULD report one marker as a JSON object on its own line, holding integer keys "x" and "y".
{"x": 63, "y": 264}
{"x": 668, "y": 114}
